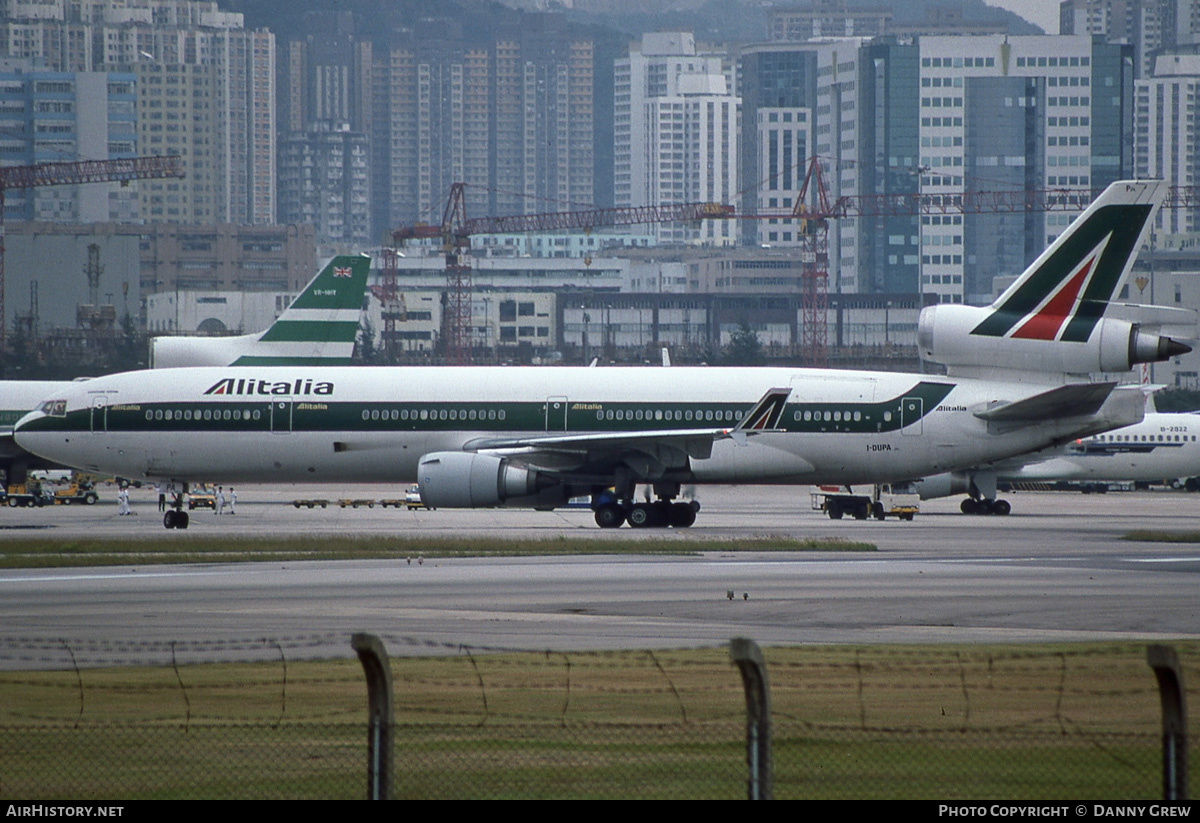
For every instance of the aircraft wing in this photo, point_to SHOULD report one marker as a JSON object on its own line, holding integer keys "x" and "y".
{"x": 1072, "y": 400}
{"x": 668, "y": 446}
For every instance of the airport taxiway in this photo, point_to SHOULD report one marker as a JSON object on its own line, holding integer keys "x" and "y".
{"x": 1055, "y": 570}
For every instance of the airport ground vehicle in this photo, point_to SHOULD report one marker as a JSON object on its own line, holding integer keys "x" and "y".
{"x": 76, "y": 492}
{"x": 33, "y": 493}
{"x": 203, "y": 496}
{"x": 412, "y": 498}
{"x": 900, "y": 500}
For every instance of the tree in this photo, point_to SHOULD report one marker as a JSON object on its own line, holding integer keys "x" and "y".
{"x": 744, "y": 348}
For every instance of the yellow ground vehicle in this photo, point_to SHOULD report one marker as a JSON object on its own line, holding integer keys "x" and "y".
{"x": 203, "y": 496}
{"x": 33, "y": 493}
{"x": 76, "y": 493}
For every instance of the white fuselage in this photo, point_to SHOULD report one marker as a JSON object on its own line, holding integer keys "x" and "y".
{"x": 1162, "y": 447}
{"x": 374, "y": 424}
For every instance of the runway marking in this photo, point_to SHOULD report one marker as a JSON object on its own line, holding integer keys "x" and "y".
{"x": 1161, "y": 559}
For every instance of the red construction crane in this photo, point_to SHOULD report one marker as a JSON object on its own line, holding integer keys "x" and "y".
{"x": 455, "y": 232}
{"x": 814, "y": 277}
{"x": 71, "y": 174}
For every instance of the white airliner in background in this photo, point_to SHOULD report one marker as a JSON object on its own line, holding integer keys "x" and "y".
{"x": 1163, "y": 447}
{"x": 538, "y": 436}
{"x": 317, "y": 328}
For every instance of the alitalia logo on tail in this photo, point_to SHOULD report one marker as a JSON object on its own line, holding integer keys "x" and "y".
{"x": 1049, "y": 319}
{"x": 241, "y": 386}
{"x": 1065, "y": 293}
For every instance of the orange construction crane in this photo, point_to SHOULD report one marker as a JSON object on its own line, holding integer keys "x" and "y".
{"x": 71, "y": 174}
{"x": 456, "y": 231}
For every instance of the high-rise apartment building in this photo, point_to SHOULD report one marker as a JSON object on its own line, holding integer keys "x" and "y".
{"x": 1165, "y": 142}
{"x": 325, "y": 90}
{"x": 952, "y": 115}
{"x": 52, "y": 116}
{"x": 189, "y": 44}
{"x": 324, "y": 180}
{"x": 510, "y": 114}
{"x": 1147, "y": 25}
{"x": 778, "y": 88}
{"x": 675, "y": 123}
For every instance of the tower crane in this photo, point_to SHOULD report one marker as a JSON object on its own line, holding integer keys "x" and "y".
{"x": 814, "y": 208}
{"x": 456, "y": 230}
{"x": 68, "y": 174}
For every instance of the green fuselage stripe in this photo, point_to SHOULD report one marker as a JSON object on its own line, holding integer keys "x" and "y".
{"x": 262, "y": 413}
{"x": 260, "y": 360}
{"x": 311, "y": 331}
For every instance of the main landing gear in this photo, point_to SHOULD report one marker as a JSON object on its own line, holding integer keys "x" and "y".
{"x": 611, "y": 512}
{"x": 985, "y": 506}
{"x": 175, "y": 517}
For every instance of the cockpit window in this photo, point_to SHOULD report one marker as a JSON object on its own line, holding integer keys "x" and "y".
{"x": 54, "y": 408}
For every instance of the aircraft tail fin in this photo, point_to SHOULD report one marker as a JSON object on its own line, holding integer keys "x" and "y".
{"x": 318, "y": 328}
{"x": 321, "y": 324}
{"x": 1059, "y": 317}
{"x": 1065, "y": 291}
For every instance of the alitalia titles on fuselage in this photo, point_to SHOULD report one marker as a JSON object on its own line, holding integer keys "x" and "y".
{"x": 242, "y": 386}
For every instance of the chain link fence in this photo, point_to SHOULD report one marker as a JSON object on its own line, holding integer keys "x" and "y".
{"x": 287, "y": 718}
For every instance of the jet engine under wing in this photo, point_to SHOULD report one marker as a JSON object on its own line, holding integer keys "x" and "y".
{"x": 670, "y": 447}
{"x": 1072, "y": 400}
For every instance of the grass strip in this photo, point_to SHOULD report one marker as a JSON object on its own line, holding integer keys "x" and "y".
{"x": 1162, "y": 537}
{"x": 43, "y": 553}
{"x": 941, "y": 721}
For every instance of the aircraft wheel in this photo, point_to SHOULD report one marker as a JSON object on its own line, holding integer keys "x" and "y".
{"x": 183, "y": 521}
{"x": 641, "y": 516}
{"x": 969, "y": 506}
{"x": 682, "y": 515}
{"x": 169, "y": 519}
{"x": 609, "y": 516}
{"x": 1001, "y": 507}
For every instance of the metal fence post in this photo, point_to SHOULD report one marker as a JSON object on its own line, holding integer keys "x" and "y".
{"x": 1165, "y": 663}
{"x": 749, "y": 660}
{"x": 373, "y": 656}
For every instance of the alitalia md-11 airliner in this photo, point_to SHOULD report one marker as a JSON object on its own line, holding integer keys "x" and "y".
{"x": 1019, "y": 380}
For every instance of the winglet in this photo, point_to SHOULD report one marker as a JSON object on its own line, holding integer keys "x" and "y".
{"x": 766, "y": 413}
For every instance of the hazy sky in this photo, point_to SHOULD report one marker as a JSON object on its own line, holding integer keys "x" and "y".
{"x": 1042, "y": 13}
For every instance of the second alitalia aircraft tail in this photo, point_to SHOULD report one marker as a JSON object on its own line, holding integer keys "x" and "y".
{"x": 317, "y": 329}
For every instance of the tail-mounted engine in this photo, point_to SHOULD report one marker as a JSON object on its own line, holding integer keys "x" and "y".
{"x": 961, "y": 336}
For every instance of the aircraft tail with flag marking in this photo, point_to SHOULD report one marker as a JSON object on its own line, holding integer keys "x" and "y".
{"x": 317, "y": 329}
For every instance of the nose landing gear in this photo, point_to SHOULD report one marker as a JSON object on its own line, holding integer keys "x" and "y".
{"x": 175, "y": 517}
